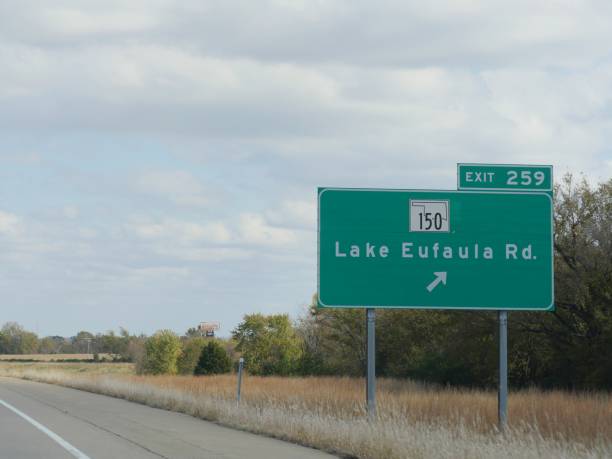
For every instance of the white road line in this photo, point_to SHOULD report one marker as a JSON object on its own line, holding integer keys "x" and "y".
{"x": 63, "y": 443}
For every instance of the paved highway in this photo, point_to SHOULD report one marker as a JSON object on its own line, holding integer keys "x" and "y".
{"x": 45, "y": 421}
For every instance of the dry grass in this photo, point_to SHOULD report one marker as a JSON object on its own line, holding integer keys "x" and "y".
{"x": 66, "y": 368}
{"x": 584, "y": 417}
{"x": 53, "y": 357}
{"x": 414, "y": 421}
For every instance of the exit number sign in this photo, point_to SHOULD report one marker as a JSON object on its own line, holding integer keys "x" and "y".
{"x": 504, "y": 177}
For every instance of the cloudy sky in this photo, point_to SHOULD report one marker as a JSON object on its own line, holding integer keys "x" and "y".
{"x": 159, "y": 159}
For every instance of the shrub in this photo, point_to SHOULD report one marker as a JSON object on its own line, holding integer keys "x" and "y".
{"x": 269, "y": 344}
{"x": 213, "y": 360}
{"x": 161, "y": 353}
{"x": 188, "y": 360}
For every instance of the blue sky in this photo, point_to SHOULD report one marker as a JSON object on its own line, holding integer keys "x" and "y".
{"x": 159, "y": 160}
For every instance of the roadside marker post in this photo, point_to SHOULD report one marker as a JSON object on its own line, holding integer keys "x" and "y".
{"x": 469, "y": 249}
{"x": 239, "y": 388}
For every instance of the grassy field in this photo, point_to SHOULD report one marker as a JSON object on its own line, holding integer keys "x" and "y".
{"x": 414, "y": 421}
{"x": 93, "y": 369}
{"x": 53, "y": 357}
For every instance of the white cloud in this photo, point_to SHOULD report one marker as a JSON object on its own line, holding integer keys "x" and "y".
{"x": 156, "y": 273}
{"x": 254, "y": 229}
{"x": 206, "y": 254}
{"x": 182, "y": 232}
{"x": 219, "y": 239}
{"x": 73, "y": 22}
{"x": 10, "y": 224}
{"x": 28, "y": 241}
{"x": 87, "y": 233}
{"x": 178, "y": 186}
{"x": 25, "y": 158}
{"x": 71, "y": 212}
{"x": 343, "y": 84}
{"x": 295, "y": 213}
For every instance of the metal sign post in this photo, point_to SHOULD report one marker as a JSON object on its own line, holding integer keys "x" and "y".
{"x": 502, "y": 396}
{"x": 371, "y": 364}
{"x": 240, "y": 367}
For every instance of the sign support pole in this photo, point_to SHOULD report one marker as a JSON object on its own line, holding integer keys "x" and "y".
{"x": 239, "y": 388}
{"x": 371, "y": 362}
{"x": 502, "y": 397}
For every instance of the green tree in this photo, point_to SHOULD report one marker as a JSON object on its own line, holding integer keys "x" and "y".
{"x": 269, "y": 344}
{"x": 192, "y": 332}
{"x": 333, "y": 341}
{"x": 575, "y": 341}
{"x": 48, "y": 345}
{"x": 135, "y": 352}
{"x": 192, "y": 349}
{"x": 84, "y": 341}
{"x": 213, "y": 360}
{"x": 112, "y": 343}
{"x": 14, "y": 339}
{"x": 567, "y": 348}
{"x": 161, "y": 353}
{"x": 446, "y": 347}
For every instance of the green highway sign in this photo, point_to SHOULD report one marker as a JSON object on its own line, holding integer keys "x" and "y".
{"x": 504, "y": 177}
{"x": 435, "y": 249}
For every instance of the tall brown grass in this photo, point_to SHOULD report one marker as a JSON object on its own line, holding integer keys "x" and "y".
{"x": 414, "y": 420}
{"x": 54, "y": 357}
{"x": 584, "y": 417}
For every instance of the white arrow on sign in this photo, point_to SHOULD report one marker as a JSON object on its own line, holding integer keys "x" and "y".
{"x": 440, "y": 277}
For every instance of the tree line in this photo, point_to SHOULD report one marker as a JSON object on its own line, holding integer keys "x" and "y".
{"x": 570, "y": 347}
{"x": 14, "y": 339}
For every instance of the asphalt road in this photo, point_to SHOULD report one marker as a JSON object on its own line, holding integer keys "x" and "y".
{"x": 45, "y": 421}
